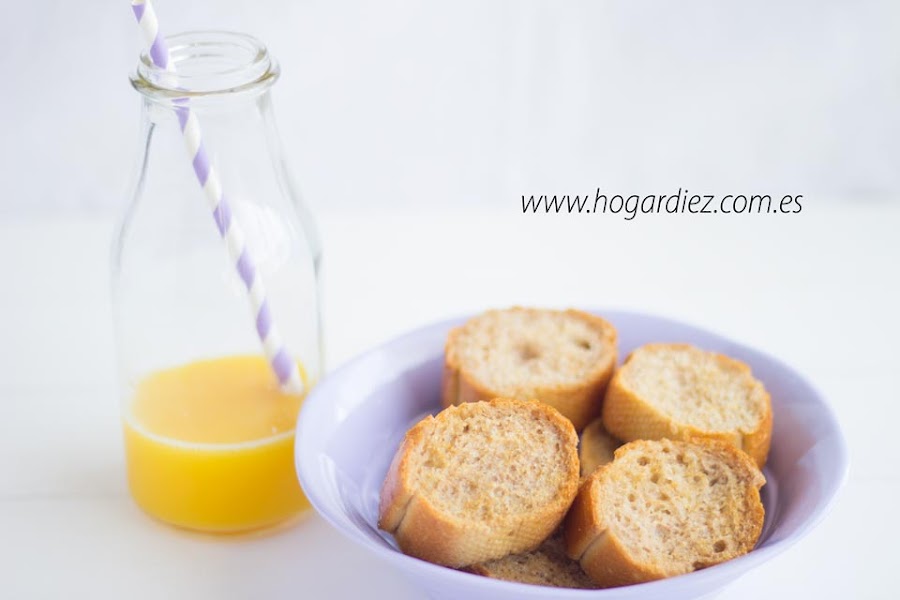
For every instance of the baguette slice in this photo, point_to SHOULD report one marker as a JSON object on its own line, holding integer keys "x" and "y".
{"x": 562, "y": 358}
{"x": 665, "y": 508}
{"x": 547, "y": 565}
{"x": 480, "y": 481}
{"x": 678, "y": 391}
{"x": 596, "y": 448}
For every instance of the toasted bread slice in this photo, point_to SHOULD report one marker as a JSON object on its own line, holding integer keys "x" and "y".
{"x": 678, "y": 391}
{"x": 596, "y": 448}
{"x": 480, "y": 481}
{"x": 547, "y": 565}
{"x": 665, "y": 508}
{"x": 562, "y": 358}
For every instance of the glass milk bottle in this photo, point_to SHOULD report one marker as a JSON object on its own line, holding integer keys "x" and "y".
{"x": 206, "y": 317}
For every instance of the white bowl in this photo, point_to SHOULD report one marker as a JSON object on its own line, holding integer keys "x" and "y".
{"x": 352, "y": 423}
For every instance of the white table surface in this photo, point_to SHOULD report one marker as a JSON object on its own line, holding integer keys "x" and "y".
{"x": 819, "y": 289}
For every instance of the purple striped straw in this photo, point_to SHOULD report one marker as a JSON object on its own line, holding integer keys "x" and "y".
{"x": 284, "y": 366}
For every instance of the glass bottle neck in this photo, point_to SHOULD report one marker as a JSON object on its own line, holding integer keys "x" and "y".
{"x": 207, "y": 68}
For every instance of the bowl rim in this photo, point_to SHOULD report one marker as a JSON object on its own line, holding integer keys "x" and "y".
{"x": 703, "y": 579}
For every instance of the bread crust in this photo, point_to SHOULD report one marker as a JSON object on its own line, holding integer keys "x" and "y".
{"x": 424, "y": 531}
{"x": 603, "y": 555}
{"x": 596, "y": 448}
{"x": 628, "y": 416}
{"x": 580, "y": 403}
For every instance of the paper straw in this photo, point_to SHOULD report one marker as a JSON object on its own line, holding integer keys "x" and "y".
{"x": 284, "y": 366}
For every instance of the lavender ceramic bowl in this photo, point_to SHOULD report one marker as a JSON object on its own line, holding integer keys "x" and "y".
{"x": 353, "y": 421}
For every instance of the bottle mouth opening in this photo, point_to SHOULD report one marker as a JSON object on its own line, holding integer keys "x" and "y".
{"x": 207, "y": 63}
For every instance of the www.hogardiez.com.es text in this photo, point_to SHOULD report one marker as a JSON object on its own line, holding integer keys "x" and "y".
{"x": 680, "y": 202}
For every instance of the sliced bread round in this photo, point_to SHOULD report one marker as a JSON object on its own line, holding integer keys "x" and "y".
{"x": 665, "y": 508}
{"x": 678, "y": 391}
{"x": 480, "y": 481}
{"x": 596, "y": 447}
{"x": 547, "y": 565}
{"x": 562, "y": 358}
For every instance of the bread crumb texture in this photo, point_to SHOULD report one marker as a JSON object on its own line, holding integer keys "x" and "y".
{"x": 698, "y": 387}
{"x": 678, "y": 391}
{"x": 514, "y": 350}
{"x": 548, "y": 565}
{"x": 480, "y": 481}
{"x": 486, "y": 462}
{"x": 665, "y": 508}
{"x": 563, "y": 358}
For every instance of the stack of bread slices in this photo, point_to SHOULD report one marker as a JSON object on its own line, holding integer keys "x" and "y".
{"x": 664, "y": 480}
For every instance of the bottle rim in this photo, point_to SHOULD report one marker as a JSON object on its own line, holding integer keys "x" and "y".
{"x": 207, "y": 63}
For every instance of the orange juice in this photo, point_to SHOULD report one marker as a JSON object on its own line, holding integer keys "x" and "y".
{"x": 209, "y": 446}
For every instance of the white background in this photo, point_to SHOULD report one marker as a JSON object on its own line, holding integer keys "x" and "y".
{"x": 399, "y": 103}
{"x": 414, "y": 128}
